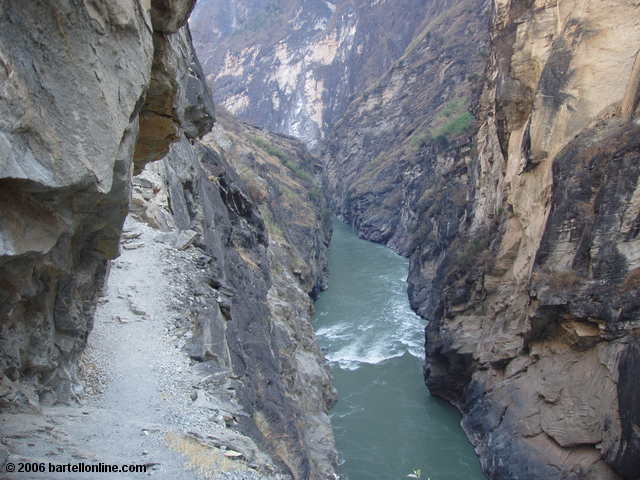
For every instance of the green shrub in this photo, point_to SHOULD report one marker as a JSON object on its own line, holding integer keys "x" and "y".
{"x": 269, "y": 148}
{"x": 298, "y": 170}
{"x": 418, "y": 139}
{"x": 454, "y": 120}
{"x": 455, "y": 106}
{"x": 474, "y": 249}
{"x": 283, "y": 157}
{"x": 315, "y": 195}
{"x": 457, "y": 126}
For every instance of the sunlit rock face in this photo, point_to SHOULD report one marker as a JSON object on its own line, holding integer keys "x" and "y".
{"x": 522, "y": 230}
{"x": 293, "y": 66}
{"x": 534, "y": 309}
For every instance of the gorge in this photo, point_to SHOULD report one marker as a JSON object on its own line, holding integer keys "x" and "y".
{"x": 494, "y": 144}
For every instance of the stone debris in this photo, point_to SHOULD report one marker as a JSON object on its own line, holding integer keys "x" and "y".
{"x": 184, "y": 239}
{"x": 232, "y": 454}
{"x": 117, "y": 401}
{"x": 132, "y": 246}
{"x": 135, "y": 308}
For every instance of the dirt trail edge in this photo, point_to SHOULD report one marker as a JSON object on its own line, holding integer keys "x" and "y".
{"x": 146, "y": 402}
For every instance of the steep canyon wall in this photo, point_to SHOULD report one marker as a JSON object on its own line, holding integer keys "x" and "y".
{"x": 498, "y": 150}
{"x": 247, "y": 195}
{"x": 522, "y": 236}
{"x": 293, "y": 66}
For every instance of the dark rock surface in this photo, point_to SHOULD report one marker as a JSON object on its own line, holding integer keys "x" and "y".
{"x": 69, "y": 132}
{"x": 67, "y": 138}
{"x": 266, "y": 257}
{"x": 177, "y": 99}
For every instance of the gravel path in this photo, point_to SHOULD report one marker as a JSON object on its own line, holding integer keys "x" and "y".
{"x": 148, "y": 403}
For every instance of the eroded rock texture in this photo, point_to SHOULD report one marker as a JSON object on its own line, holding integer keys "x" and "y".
{"x": 266, "y": 238}
{"x": 293, "y": 66}
{"x": 541, "y": 326}
{"x": 74, "y": 79}
{"x": 400, "y": 152}
{"x": 176, "y": 99}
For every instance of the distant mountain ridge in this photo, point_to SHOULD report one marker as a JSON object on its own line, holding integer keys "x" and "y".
{"x": 293, "y": 66}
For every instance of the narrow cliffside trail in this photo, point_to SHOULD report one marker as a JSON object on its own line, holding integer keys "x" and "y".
{"x": 145, "y": 403}
{"x": 209, "y": 349}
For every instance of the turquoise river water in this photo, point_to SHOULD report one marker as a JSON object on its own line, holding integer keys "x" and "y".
{"x": 386, "y": 423}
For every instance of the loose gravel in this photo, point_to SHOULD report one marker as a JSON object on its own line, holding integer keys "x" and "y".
{"x": 145, "y": 401}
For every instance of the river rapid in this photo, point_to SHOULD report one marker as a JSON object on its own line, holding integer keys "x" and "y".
{"x": 386, "y": 423}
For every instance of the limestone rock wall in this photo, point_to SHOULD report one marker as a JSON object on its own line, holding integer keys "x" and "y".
{"x": 75, "y": 80}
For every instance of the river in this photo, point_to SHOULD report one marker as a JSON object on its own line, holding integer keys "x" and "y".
{"x": 386, "y": 423}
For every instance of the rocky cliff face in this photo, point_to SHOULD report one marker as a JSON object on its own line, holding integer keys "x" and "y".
{"x": 523, "y": 235}
{"x": 535, "y": 329}
{"x": 400, "y": 153}
{"x": 265, "y": 236}
{"x": 293, "y": 66}
{"x": 78, "y": 83}
{"x": 90, "y": 92}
